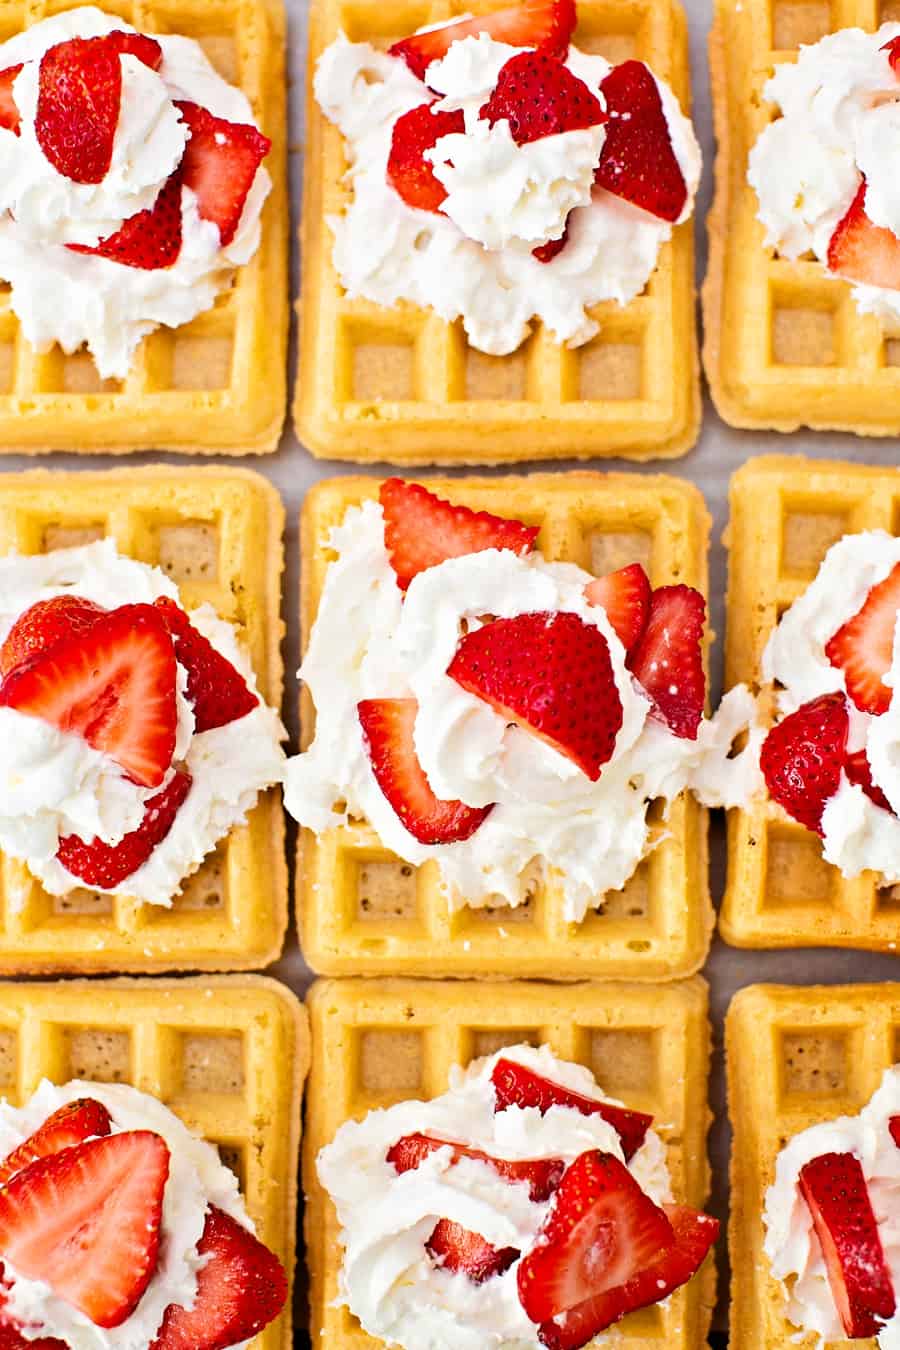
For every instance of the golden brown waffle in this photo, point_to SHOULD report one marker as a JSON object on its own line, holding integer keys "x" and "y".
{"x": 364, "y": 911}
{"x": 383, "y": 1041}
{"x": 218, "y": 535}
{"x": 784, "y": 344}
{"x": 218, "y": 384}
{"x": 402, "y": 385}
{"x": 207, "y": 1049}
{"x": 785, "y": 514}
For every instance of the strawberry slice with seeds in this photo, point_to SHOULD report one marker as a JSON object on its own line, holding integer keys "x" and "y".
{"x": 637, "y": 161}
{"x": 517, "y": 1085}
{"x": 217, "y": 691}
{"x": 10, "y": 117}
{"x": 422, "y": 530}
{"x": 106, "y": 866}
{"x": 625, "y": 595}
{"x": 86, "y": 1221}
{"x": 834, "y": 1187}
{"x": 114, "y": 686}
{"x": 409, "y": 172}
{"x": 540, "y": 97}
{"x": 241, "y": 1288}
{"x": 802, "y": 757}
{"x": 149, "y": 240}
{"x": 668, "y": 660}
{"x": 457, "y": 1249}
{"x": 859, "y": 771}
{"x": 72, "y": 1124}
{"x": 45, "y": 624}
{"x": 220, "y": 163}
{"x": 863, "y": 648}
{"x": 893, "y": 50}
{"x": 545, "y": 24}
{"x": 146, "y": 49}
{"x": 543, "y": 1175}
{"x": 10, "y": 1339}
{"x": 862, "y": 251}
{"x": 388, "y": 726}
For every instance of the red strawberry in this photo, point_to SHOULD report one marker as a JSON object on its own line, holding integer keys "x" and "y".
{"x": 625, "y": 595}
{"x": 542, "y": 1174}
{"x": 409, "y": 173}
{"x": 862, "y": 251}
{"x": 146, "y": 49}
{"x": 540, "y": 97}
{"x": 516, "y": 1085}
{"x": 550, "y": 673}
{"x": 894, "y": 1123}
{"x": 637, "y": 161}
{"x": 114, "y": 686}
{"x": 87, "y": 1221}
{"x": 863, "y": 648}
{"x": 422, "y": 530}
{"x": 107, "y": 865}
{"x": 456, "y": 1248}
{"x": 149, "y": 240}
{"x": 694, "y": 1234}
{"x": 220, "y": 163}
{"x": 859, "y": 771}
{"x": 10, "y": 1339}
{"x": 545, "y": 253}
{"x": 601, "y": 1231}
{"x": 388, "y": 725}
{"x": 217, "y": 691}
{"x": 241, "y": 1289}
{"x": 802, "y": 756}
{"x": 668, "y": 660}
{"x": 72, "y": 1124}
{"x": 545, "y": 24}
{"x": 10, "y": 117}
{"x": 835, "y": 1190}
{"x": 45, "y": 624}
{"x": 893, "y": 50}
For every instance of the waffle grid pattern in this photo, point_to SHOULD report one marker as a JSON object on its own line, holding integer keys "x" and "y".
{"x": 217, "y": 533}
{"x": 363, "y": 911}
{"x": 379, "y": 1042}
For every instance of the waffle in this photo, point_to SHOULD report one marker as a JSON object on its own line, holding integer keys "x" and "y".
{"x": 217, "y": 533}
{"x": 785, "y": 514}
{"x": 379, "y": 1042}
{"x": 206, "y": 1049}
{"x": 402, "y": 385}
{"x": 364, "y": 911}
{"x": 216, "y": 385}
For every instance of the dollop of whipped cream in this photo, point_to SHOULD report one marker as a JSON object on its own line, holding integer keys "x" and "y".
{"x": 77, "y": 299}
{"x": 387, "y": 1278}
{"x": 197, "y": 1179}
{"x": 507, "y": 197}
{"x": 790, "y": 1242}
{"x": 369, "y": 641}
{"x": 53, "y": 784}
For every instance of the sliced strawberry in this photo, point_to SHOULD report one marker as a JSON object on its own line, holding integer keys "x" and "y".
{"x": 863, "y": 649}
{"x": 72, "y": 1124}
{"x": 516, "y": 1085}
{"x": 241, "y": 1289}
{"x": 422, "y": 530}
{"x": 388, "y": 725}
{"x": 217, "y": 692}
{"x": 79, "y": 93}
{"x": 87, "y": 1222}
{"x": 893, "y": 50}
{"x": 540, "y": 97}
{"x": 862, "y": 251}
{"x": 11, "y": 1339}
{"x": 146, "y": 49}
{"x": 601, "y": 1231}
{"x": 149, "y": 240}
{"x": 694, "y": 1235}
{"x": 625, "y": 595}
{"x": 545, "y": 253}
{"x": 45, "y": 624}
{"x": 220, "y": 163}
{"x": 834, "y": 1187}
{"x": 894, "y": 1123}
{"x": 802, "y": 757}
{"x": 637, "y": 161}
{"x": 542, "y": 1174}
{"x": 106, "y": 866}
{"x": 409, "y": 173}
{"x": 457, "y": 1249}
{"x": 859, "y": 771}
{"x": 114, "y": 686}
{"x": 545, "y": 24}
{"x": 10, "y": 117}
{"x": 668, "y": 660}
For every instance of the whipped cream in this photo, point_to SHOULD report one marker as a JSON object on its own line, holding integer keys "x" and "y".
{"x": 790, "y": 1242}
{"x": 508, "y": 197}
{"x": 369, "y": 641}
{"x": 52, "y": 783}
{"x": 387, "y": 1278}
{"x": 77, "y": 299}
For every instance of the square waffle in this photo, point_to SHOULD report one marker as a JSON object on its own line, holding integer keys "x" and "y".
{"x": 216, "y": 385}
{"x": 218, "y": 534}
{"x": 785, "y": 514}
{"x": 401, "y": 384}
{"x": 206, "y": 1048}
{"x": 380, "y": 1042}
{"x": 785, "y": 346}
{"x": 364, "y": 911}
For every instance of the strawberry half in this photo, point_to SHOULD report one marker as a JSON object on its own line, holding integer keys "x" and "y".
{"x": 422, "y": 530}
{"x": 637, "y": 161}
{"x": 106, "y": 866}
{"x": 864, "y": 647}
{"x": 545, "y": 24}
{"x": 45, "y": 624}
{"x": 516, "y": 1085}
{"x": 408, "y": 172}
{"x": 217, "y": 692}
{"x": 834, "y": 1188}
{"x": 388, "y": 725}
{"x": 114, "y": 686}
{"x": 668, "y": 659}
{"x": 10, "y": 117}
{"x": 149, "y": 240}
{"x": 862, "y": 251}
{"x": 540, "y": 97}
{"x": 625, "y": 595}
{"x": 72, "y": 1124}
{"x": 859, "y": 771}
{"x": 543, "y": 1175}
{"x": 457, "y": 1249}
{"x": 87, "y": 1222}
{"x": 220, "y": 163}
{"x": 802, "y": 757}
